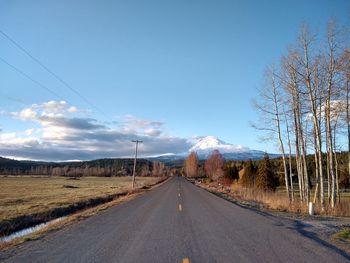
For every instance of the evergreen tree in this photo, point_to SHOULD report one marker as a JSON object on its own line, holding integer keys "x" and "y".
{"x": 248, "y": 176}
{"x": 231, "y": 171}
{"x": 265, "y": 178}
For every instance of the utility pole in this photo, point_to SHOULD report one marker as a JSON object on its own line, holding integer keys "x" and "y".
{"x": 134, "y": 171}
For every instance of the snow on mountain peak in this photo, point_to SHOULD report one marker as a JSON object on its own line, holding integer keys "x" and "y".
{"x": 207, "y": 144}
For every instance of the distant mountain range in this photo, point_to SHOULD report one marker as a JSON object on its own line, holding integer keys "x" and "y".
{"x": 204, "y": 146}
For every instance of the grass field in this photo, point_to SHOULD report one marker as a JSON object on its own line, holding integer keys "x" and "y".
{"x": 21, "y": 196}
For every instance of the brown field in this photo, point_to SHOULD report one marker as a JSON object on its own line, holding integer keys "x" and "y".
{"x": 20, "y": 196}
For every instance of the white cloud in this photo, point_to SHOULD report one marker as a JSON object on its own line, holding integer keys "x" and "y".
{"x": 152, "y": 132}
{"x": 61, "y": 136}
{"x": 12, "y": 139}
{"x": 50, "y": 109}
{"x": 7, "y": 136}
{"x": 72, "y": 109}
{"x": 52, "y": 106}
{"x": 25, "y": 114}
{"x": 142, "y": 126}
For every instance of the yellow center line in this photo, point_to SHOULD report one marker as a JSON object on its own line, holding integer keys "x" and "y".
{"x": 180, "y": 207}
{"x": 185, "y": 260}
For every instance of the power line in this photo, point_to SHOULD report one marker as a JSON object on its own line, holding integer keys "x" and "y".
{"x": 51, "y": 72}
{"x": 31, "y": 79}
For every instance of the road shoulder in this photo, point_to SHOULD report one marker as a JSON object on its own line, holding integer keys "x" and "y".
{"x": 322, "y": 229}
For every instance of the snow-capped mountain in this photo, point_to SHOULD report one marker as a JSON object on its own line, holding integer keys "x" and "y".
{"x": 205, "y": 145}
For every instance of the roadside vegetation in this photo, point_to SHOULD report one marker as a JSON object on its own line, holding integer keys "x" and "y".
{"x": 260, "y": 183}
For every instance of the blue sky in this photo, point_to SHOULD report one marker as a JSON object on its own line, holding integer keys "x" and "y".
{"x": 165, "y": 71}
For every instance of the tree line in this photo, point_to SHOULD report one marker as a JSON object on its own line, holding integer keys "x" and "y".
{"x": 101, "y": 167}
{"x": 265, "y": 175}
{"x": 258, "y": 174}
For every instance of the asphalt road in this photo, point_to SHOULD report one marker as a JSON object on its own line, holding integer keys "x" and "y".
{"x": 179, "y": 222}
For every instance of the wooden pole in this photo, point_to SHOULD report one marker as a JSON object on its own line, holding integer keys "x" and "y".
{"x": 134, "y": 170}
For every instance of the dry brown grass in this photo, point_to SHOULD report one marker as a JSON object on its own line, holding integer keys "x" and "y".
{"x": 279, "y": 201}
{"x": 270, "y": 200}
{"x": 21, "y": 196}
{"x": 70, "y": 220}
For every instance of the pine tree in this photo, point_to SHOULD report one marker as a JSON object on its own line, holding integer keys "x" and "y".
{"x": 265, "y": 178}
{"x": 248, "y": 176}
{"x": 231, "y": 172}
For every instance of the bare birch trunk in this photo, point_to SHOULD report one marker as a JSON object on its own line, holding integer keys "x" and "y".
{"x": 316, "y": 166}
{"x": 330, "y": 67}
{"x": 297, "y": 157}
{"x": 306, "y": 175}
{"x": 278, "y": 128}
{"x": 306, "y": 41}
{"x": 289, "y": 158}
{"x": 336, "y": 160}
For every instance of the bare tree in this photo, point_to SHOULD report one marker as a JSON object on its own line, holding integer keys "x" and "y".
{"x": 315, "y": 83}
{"x": 289, "y": 156}
{"x": 331, "y": 69}
{"x": 214, "y": 165}
{"x": 158, "y": 169}
{"x": 291, "y": 86}
{"x": 191, "y": 165}
{"x": 270, "y": 106}
{"x": 145, "y": 171}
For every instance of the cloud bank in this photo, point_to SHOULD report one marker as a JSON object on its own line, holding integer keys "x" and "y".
{"x": 59, "y": 131}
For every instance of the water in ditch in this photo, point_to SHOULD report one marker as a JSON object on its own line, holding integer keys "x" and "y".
{"x": 29, "y": 230}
